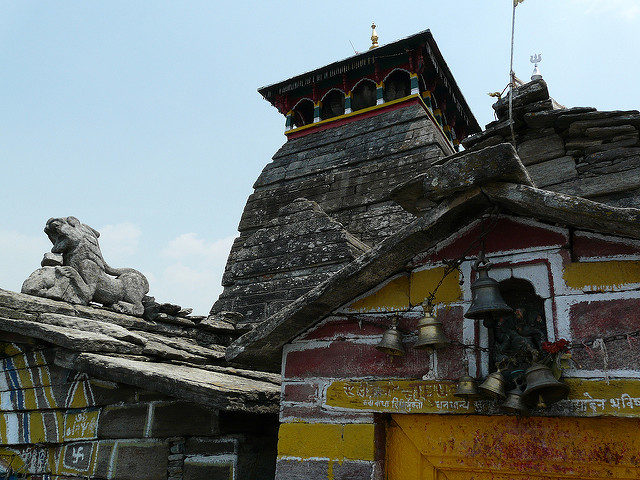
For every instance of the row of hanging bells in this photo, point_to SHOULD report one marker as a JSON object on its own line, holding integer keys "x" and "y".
{"x": 542, "y": 389}
{"x": 486, "y": 304}
{"x": 430, "y": 335}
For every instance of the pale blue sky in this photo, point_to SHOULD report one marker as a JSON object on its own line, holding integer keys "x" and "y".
{"x": 142, "y": 118}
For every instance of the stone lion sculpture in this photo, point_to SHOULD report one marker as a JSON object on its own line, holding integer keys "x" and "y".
{"x": 81, "y": 275}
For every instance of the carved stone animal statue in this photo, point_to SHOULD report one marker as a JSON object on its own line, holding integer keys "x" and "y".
{"x": 84, "y": 276}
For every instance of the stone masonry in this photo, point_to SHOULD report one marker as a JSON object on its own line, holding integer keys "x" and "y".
{"x": 578, "y": 151}
{"x": 349, "y": 171}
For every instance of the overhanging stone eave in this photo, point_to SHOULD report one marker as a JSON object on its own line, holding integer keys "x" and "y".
{"x": 569, "y": 210}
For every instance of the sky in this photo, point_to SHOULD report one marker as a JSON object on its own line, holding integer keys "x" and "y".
{"x": 142, "y": 118}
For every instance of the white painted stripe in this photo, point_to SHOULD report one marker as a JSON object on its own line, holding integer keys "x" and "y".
{"x": 150, "y": 413}
{"x": 288, "y": 457}
{"x": 12, "y": 421}
{"x": 113, "y": 460}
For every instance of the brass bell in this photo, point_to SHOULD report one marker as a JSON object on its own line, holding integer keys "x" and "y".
{"x": 493, "y": 386}
{"x": 542, "y": 383}
{"x": 515, "y": 403}
{"x": 486, "y": 299}
{"x": 391, "y": 342}
{"x": 430, "y": 333}
{"x": 467, "y": 388}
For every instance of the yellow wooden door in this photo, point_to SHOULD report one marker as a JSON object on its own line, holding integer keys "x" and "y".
{"x": 447, "y": 447}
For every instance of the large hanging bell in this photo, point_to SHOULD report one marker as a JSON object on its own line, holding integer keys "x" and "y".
{"x": 515, "y": 403}
{"x": 391, "y": 342}
{"x": 493, "y": 386}
{"x": 542, "y": 383}
{"x": 467, "y": 388}
{"x": 430, "y": 332}
{"x": 486, "y": 299}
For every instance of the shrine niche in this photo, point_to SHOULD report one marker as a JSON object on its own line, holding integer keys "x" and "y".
{"x": 397, "y": 85}
{"x": 303, "y": 113}
{"x": 363, "y": 95}
{"x": 332, "y": 105}
{"x": 516, "y": 338}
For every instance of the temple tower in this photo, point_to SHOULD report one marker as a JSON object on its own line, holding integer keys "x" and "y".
{"x": 355, "y": 129}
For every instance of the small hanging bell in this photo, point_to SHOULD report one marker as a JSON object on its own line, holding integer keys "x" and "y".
{"x": 430, "y": 332}
{"x": 486, "y": 299}
{"x": 467, "y": 388}
{"x": 541, "y": 382}
{"x": 391, "y": 342}
{"x": 514, "y": 402}
{"x": 493, "y": 386}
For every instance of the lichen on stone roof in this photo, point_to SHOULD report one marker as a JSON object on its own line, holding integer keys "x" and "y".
{"x": 169, "y": 355}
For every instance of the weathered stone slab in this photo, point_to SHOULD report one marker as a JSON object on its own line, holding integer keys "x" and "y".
{"x": 584, "y": 120}
{"x": 212, "y": 389}
{"x": 69, "y": 338}
{"x": 187, "y": 346}
{"x": 566, "y": 209}
{"x": 548, "y": 118}
{"x": 159, "y": 351}
{"x": 461, "y": 172}
{"x": 589, "y": 187}
{"x": 609, "y": 132}
{"x": 95, "y": 326}
{"x": 527, "y": 94}
{"x": 30, "y": 303}
{"x": 544, "y": 146}
{"x": 553, "y": 171}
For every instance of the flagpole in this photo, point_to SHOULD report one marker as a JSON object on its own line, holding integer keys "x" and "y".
{"x": 511, "y": 75}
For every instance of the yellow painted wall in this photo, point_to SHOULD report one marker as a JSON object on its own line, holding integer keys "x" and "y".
{"x": 394, "y": 296}
{"x": 601, "y": 275}
{"x": 423, "y": 282}
{"x": 509, "y": 447}
{"x": 327, "y": 440}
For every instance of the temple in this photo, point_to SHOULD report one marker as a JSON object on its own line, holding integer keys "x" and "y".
{"x": 409, "y": 297}
{"x": 356, "y": 129}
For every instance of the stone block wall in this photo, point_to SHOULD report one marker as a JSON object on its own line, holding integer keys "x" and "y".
{"x": 56, "y": 423}
{"x": 338, "y": 389}
{"x": 578, "y": 151}
{"x": 348, "y": 171}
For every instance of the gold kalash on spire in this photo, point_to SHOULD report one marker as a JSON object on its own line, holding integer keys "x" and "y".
{"x": 374, "y": 37}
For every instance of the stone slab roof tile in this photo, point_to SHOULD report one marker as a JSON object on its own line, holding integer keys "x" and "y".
{"x": 183, "y": 360}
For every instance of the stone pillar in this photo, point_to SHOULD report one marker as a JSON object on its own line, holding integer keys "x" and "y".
{"x": 316, "y": 111}
{"x": 380, "y": 93}
{"x": 415, "y": 88}
{"x": 347, "y": 103}
{"x": 288, "y": 125}
{"x": 426, "y": 98}
{"x": 438, "y": 114}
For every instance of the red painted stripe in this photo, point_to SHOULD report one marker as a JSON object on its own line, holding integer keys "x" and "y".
{"x": 343, "y": 359}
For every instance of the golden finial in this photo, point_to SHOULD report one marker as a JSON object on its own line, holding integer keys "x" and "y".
{"x": 374, "y": 37}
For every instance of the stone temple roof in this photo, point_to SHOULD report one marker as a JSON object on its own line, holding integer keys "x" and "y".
{"x": 170, "y": 355}
{"x": 449, "y": 197}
